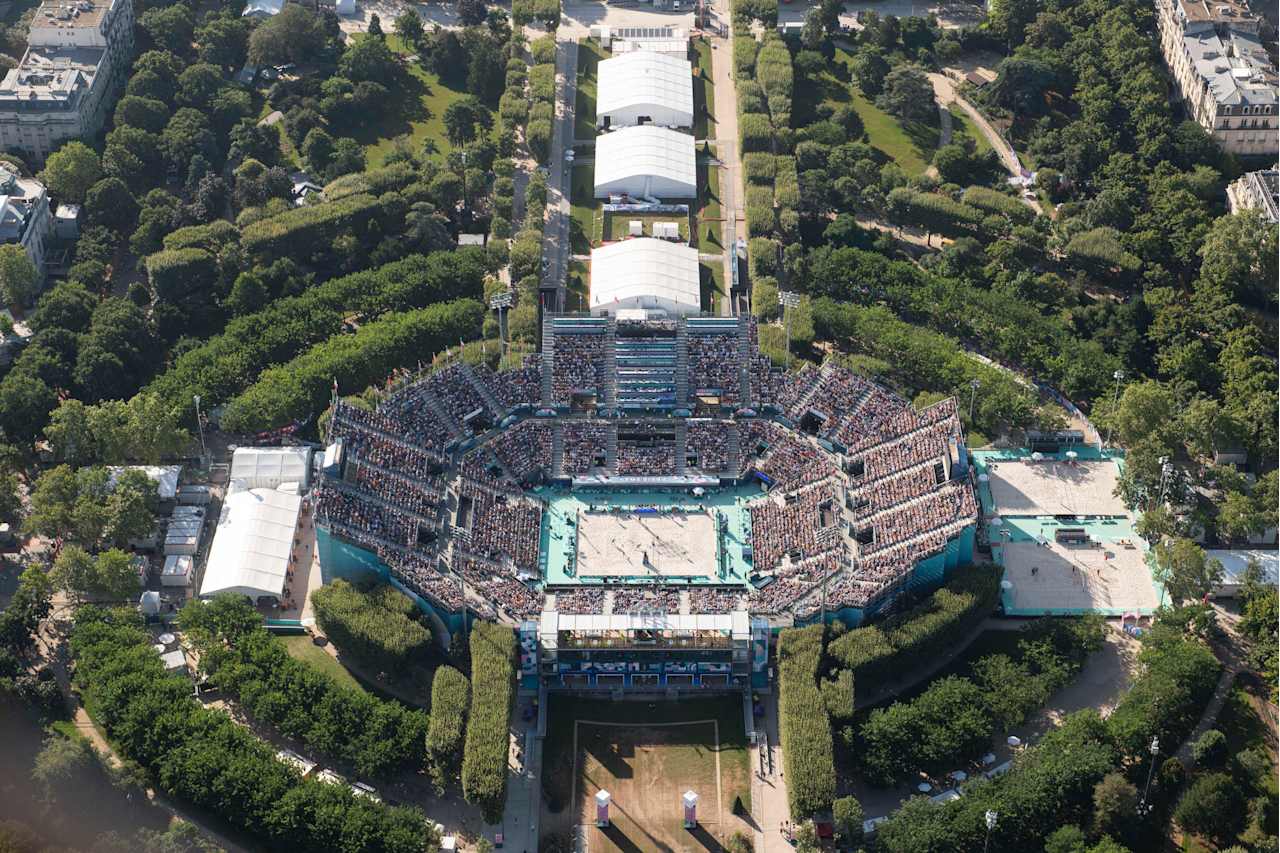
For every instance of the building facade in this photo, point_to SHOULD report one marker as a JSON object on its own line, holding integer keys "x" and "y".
{"x": 78, "y": 54}
{"x": 1256, "y": 191}
{"x": 24, "y": 216}
{"x": 1221, "y": 71}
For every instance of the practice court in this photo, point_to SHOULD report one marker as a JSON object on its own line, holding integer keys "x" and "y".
{"x": 627, "y": 544}
{"x": 1051, "y": 487}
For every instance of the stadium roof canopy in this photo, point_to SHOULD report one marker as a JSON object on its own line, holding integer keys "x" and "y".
{"x": 253, "y": 544}
{"x": 645, "y": 83}
{"x": 645, "y": 273}
{"x": 645, "y": 162}
{"x": 268, "y": 467}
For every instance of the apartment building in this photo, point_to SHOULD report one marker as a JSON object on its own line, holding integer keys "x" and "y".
{"x": 1256, "y": 191}
{"x": 24, "y": 216}
{"x": 1223, "y": 75}
{"x": 78, "y": 55}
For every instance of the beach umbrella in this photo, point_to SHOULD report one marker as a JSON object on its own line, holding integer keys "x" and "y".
{"x": 1037, "y": 456}
{"x": 1072, "y": 455}
{"x": 984, "y": 478}
{"x": 1006, "y": 584}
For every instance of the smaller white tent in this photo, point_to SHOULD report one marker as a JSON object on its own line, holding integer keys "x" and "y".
{"x": 1236, "y": 562}
{"x": 253, "y": 544}
{"x": 164, "y": 476}
{"x": 268, "y": 467}
{"x": 176, "y": 571}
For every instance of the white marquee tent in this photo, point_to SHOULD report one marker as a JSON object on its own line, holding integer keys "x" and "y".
{"x": 648, "y": 85}
{"x": 268, "y": 467}
{"x": 647, "y": 274}
{"x": 253, "y": 543}
{"x": 1234, "y": 564}
{"x": 646, "y": 162}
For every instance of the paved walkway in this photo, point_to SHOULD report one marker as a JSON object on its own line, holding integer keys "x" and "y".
{"x": 769, "y": 808}
{"x": 725, "y": 118}
{"x": 1228, "y": 652}
{"x": 555, "y": 240}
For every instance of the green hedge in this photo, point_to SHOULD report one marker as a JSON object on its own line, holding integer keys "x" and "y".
{"x": 301, "y": 388}
{"x": 450, "y": 698}
{"x": 228, "y": 363}
{"x": 786, "y": 187}
{"x": 744, "y": 56}
{"x": 213, "y": 237}
{"x": 380, "y": 628}
{"x": 1100, "y": 250}
{"x": 932, "y": 211}
{"x": 759, "y": 168}
{"x": 985, "y": 198}
{"x": 202, "y": 757}
{"x": 762, "y": 255}
{"x": 302, "y": 232}
{"x": 484, "y": 760}
{"x": 751, "y": 97}
{"x": 175, "y": 273}
{"x": 374, "y": 182}
{"x": 542, "y": 83}
{"x": 760, "y": 220}
{"x": 911, "y": 639}
{"x": 805, "y": 730}
{"x": 528, "y": 11}
{"x": 756, "y": 131}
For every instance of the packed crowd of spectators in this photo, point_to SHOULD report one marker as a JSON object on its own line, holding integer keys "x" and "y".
{"x": 951, "y": 505}
{"x": 715, "y": 363}
{"x": 524, "y": 447}
{"x": 420, "y": 575}
{"x": 646, "y": 460}
{"x": 416, "y": 495}
{"x": 399, "y": 423}
{"x": 790, "y": 462}
{"x": 704, "y": 600}
{"x": 663, "y": 599}
{"x": 868, "y": 421}
{"x": 708, "y": 440}
{"x": 499, "y": 589}
{"x": 797, "y": 386}
{"x": 584, "y": 443}
{"x": 339, "y": 503}
{"x": 502, "y": 526}
{"x": 791, "y": 527}
{"x": 449, "y": 386}
{"x": 513, "y": 388}
{"x": 579, "y": 362}
{"x": 924, "y": 445}
{"x": 584, "y": 600}
{"x": 866, "y": 500}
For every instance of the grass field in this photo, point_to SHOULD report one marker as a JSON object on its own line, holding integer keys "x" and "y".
{"x": 616, "y": 225}
{"x": 646, "y": 755}
{"x": 301, "y": 647}
{"x": 584, "y": 109}
{"x": 704, "y": 97}
{"x": 709, "y": 214}
{"x": 584, "y": 210}
{"x": 418, "y": 112}
{"x": 711, "y": 279}
{"x": 578, "y": 286}
{"x": 962, "y": 125}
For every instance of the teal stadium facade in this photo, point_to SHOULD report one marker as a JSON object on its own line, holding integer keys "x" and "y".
{"x": 646, "y": 501}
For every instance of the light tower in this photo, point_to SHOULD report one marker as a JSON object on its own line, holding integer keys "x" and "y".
{"x": 603, "y": 799}
{"x": 690, "y": 801}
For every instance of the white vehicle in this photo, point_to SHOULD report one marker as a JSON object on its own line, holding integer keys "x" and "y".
{"x": 568, "y": 155}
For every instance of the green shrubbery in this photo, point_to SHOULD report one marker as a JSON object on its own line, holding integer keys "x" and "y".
{"x": 933, "y": 212}
{"x": 174, "y": 273}
{"x": 300, "y": 388}
{"x": 303, "y": 231}
{"x": 995, "y": 201}
{"x": 201, "y": 756}
{"x": 880, "y": 652}
{"x": 484, "y": 760}
{"x": 803, "y": 725}
{"x": 450, "y": 698}
{"x": 375, "y": 737}
{"x": 381, "y": 627}
{"x": 530, "y": 11}
{"x": 1101, "y": 251}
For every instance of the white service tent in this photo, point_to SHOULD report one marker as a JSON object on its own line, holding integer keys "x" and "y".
{"x": 253, "y": 543}
{"x": 164, "y": 476}
{"x": 1234, "y": 564}
{"x": 646, "y": 162}
{"x": 646, "y": 274}
{"x": 645, "y": 87}
{"x": 268, "y": 467}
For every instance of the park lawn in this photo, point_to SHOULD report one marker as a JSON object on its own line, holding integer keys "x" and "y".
{"x": 300, "y": 646}
{"x": 962, "y": 125}
{"x": 584, "y": 106}
{"x": 418, "y": 112}
{"x": 709, "y": 214}
{"x": 910, "y": 145}
{"x": 578, "y": 284}
{"x": 711, "y": 280}
{"x": 616, "y": 225}
{"x": 584, "y": 211}
{"x": 704, "y": 97}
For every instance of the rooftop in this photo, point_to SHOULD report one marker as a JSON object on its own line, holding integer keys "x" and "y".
{"x": 51, "y": 77}
{"x": 64, "y": 14}
{"x": 1237, "y": 69}
{"x": 645, "y": 77}
{"x": 645, "y": 150}
{"x": 645, "y": 267}
{"x": 1219, "y": 11}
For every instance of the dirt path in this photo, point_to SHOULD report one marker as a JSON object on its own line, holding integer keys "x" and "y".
{"x": 1228, "y": 651}
{"x": 944, "y": 89}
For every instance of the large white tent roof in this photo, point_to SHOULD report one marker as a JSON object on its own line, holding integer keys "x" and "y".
{"x": 251, "y": 548}
{"x": 164, "y": 476}
{"x": 645, "y": 268}
{"x": 1235, "y": 562}
{"x": 644, "y": 78}
{"x": 268, "y": 467}
{"x": 632, "y": 152}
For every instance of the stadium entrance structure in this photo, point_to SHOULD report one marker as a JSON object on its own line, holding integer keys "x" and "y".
{"x": 755, "y": 501}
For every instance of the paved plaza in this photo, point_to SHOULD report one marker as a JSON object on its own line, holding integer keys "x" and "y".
{"x": 1052, "y": 487}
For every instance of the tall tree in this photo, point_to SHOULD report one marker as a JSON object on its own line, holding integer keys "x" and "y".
{"x": 1184, "y": 570}
{"x": 18, "y": 275}
{"x": 70, "y": 171}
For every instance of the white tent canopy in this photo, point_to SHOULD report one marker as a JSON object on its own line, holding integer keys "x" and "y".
{"x": 164, "y": 476}
{"x": 1234, "y": 564}
{"x": 645, "y": 273}
{"x": 646, "y": 162}
{"x": 268, "y": 467}
{"x": 253, "y": 543}
{"x": 648, "y": 84}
